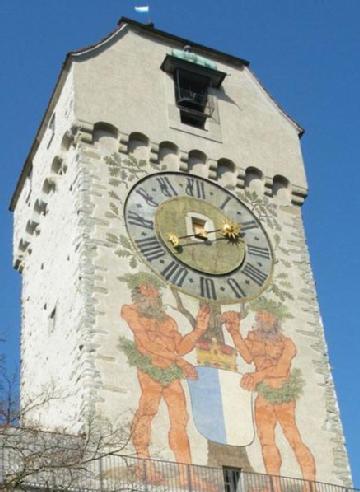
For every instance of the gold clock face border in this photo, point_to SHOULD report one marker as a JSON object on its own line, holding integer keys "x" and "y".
{"x": 227, "y": 302}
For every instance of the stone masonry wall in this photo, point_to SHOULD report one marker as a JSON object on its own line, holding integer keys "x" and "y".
{"x": 112, "y": 387}
{"x": 71, "y": 246}
{"x": 48, "y": 245}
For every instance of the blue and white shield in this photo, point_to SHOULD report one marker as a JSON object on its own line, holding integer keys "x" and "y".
{"x": 222, "y": 410}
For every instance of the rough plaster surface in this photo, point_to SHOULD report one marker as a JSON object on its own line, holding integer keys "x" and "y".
{"x": 68, "y": 262}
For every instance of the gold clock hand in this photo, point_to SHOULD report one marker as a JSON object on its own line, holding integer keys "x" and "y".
{"x": 230, "y": 230}
{"x": 179, "y": 246}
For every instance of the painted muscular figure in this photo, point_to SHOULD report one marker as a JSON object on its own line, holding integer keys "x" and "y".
{"x": 277, "y": 386}
{"x": 158, "y": 352}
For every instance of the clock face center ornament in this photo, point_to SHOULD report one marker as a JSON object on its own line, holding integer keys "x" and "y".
{"x": 198, "y": 237}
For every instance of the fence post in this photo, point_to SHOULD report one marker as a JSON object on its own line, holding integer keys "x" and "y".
{"x": 145, "y": 474}
{"x": 271, "y": 483}
{"x": 101, "y": 474}
{"x": 188, "y": 473}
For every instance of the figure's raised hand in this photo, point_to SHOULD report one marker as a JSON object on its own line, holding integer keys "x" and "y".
{"x": 190, "y": 372}
{"x": 248, "y": 381}
{"x": 231, "y": 319}
{"x": 202, "y": 320}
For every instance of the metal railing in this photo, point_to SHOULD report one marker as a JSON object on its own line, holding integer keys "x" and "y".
{"x": 113, "y": 473}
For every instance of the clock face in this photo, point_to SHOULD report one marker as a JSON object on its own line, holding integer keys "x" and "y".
{"x": 199, "y": 237}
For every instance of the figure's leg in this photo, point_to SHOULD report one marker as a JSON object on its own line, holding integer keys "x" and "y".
{"x": 146, "y": 411}
{"x": 285, "y": 413}
{"x": 178, "y": 439}
{"x": 265, "y": 420}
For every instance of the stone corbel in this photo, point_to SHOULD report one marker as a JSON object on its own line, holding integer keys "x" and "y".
{"x": 23, "y": 245}
{"x": 212, "y": 169}
{"x": 83, "y": 132}
{"x": 57, "y": 166}
{"x": 183, "y": 161}
{"x": 21, "y": 252}
{"x": 298, "y": 195}
{"x": 68, "y": 139}
{"x": 154, "y": 153}
{"x": 40, "y": 206}
{"x": 32, "y": 227}
{"x": 268, "y": 186}
{"x": 124, "y": 144}
{"x": 49, "y": 185}
{"x": 19, "y": 264}
{"x": 240, "y": 180}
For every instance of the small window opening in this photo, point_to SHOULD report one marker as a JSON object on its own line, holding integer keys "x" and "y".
{"x": 231, "y": 479}
{"x": 191, "y": 94}
{"x": 199, "y": 228}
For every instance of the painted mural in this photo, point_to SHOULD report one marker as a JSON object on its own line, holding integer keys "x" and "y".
{"x": 237, "y": 363}
{"x": 276, "y": 385}
{"x": 158, "y": 354}
{"x": 158, "y": 351}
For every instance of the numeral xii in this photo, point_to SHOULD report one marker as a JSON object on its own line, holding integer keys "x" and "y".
{"x": 195, "y": 188}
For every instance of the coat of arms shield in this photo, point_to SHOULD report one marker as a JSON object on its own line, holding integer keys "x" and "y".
{"x": 222, "y": 410}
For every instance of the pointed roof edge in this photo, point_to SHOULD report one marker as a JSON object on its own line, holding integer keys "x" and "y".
{"x": 234, "y": 60}
{"x": 211, "y": 51}
{"x": 149, "y": 28}
{"x": 38, "y": 136}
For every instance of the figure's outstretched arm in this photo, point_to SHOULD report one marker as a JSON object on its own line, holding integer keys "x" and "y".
{"x": 232, "y": 324}
{"x": 187, "y": 342}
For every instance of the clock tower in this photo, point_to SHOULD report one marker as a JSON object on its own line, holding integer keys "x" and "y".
{"x": 167, "y": 286}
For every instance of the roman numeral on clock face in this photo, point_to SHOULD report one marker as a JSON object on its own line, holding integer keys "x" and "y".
{"x": 147, "y": 197}
{"x": 175, "y": 273}
{"x": 257, "y": 251}
{"x": 254, "y": 274}
{"x": 166, "y": 187}
{"x": 195, "y": 188}
{"x": 207, "y": 288}
{"x": 250, "y": 224}
{"x": 135, "y": 219}
{"x": 151, "y": 248}
{"x": 225, "y": 202}
{"x": 235, "y": 287}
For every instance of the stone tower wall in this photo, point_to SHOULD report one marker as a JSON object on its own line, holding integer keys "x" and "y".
{"x": 114, "y": 388}
{"x": 71, "y": 246}
{"x": 48, "y": 245}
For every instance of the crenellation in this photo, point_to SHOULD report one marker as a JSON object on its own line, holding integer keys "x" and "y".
{"x": 170, "y": 157}
{"x": 197, "y": 163}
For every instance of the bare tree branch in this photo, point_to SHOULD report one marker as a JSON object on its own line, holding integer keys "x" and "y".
{"x": 181, "y": 308}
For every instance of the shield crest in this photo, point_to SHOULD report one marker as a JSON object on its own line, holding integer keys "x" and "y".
{"x": 222, "y": 410}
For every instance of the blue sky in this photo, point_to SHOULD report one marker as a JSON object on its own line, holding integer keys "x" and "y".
{"x": 305, "y": 52}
